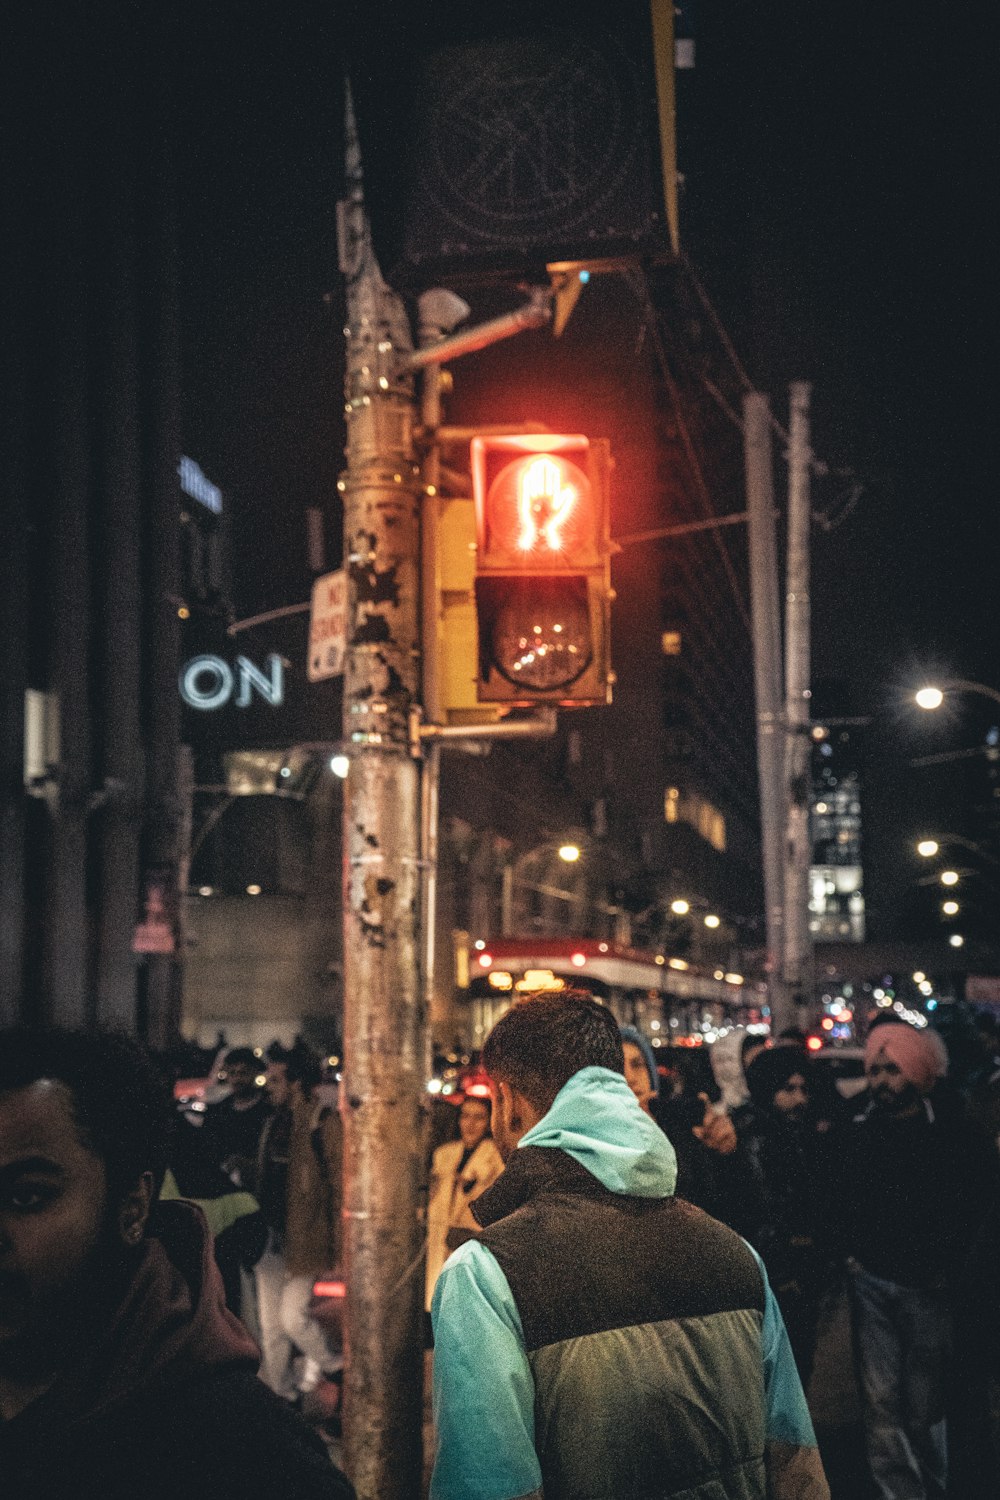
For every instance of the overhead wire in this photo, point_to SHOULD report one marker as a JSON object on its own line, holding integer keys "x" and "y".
{"x": 640, "y": 286}
{"x": 819, "y": 468}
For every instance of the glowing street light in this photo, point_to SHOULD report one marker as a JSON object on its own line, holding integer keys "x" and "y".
{"x": 680, "y": 907}
{"x": 956, "y": 940}
{"x": 932, "y": 696}
{"x": 949, "y": 877}
{"x": 570, "y": 853}
{"x": 711, "y": 920}
{"x": 950, "y": 908}
{"x": 927, "y": 848}
{"x": 340, "y": 765}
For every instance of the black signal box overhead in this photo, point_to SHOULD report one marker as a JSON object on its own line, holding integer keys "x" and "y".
{"x": 498, "y": 139}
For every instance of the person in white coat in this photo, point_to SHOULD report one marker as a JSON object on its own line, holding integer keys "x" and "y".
{"x": 460, "y": 1171}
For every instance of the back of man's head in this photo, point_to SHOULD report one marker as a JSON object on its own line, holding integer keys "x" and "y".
{"x": 541, "y": 1042}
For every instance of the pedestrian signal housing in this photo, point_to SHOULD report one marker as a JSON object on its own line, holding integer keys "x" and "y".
{"x": 542, "y": 568}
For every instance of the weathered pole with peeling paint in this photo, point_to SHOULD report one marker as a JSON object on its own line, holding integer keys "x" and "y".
{"x": 384, "y": 1024}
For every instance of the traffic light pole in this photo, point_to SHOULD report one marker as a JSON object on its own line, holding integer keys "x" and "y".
{"x": 385, "y": 1035}
{"x": 796, "y": 959}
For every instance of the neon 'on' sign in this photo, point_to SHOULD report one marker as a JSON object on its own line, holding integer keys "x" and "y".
{"x": 208, "y": 682}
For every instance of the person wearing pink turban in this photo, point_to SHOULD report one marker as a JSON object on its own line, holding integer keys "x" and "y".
{"x": 920, "y": 1056}
{"x": 916, "y": 1184}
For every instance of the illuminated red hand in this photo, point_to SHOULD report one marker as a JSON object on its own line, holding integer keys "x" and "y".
{"x": 544, "y": 505}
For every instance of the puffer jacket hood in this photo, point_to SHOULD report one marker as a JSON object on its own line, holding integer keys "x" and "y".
{"x": 596, "y": 1119}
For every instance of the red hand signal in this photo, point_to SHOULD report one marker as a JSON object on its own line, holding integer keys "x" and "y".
{"x": 544, "y": 505}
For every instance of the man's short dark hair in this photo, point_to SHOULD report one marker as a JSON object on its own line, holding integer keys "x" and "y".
{"x": 542, "y": 1041}
{"x": 240, "y": 1056}
{"x": 121, "y": 1103}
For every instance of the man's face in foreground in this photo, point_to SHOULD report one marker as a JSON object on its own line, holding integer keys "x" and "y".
{"x": 53, "y": 1220}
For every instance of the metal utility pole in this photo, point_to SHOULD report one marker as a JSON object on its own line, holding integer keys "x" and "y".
{"x": 384, "y": 1023}
{"x": 767, "y": 682}
{"x": 796, "y": 958}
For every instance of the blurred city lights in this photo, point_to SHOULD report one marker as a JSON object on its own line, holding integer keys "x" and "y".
{"x": 929, "y": 698}
{"x": 712, "y": 920}
{"x": 253, "y": 890}
{"x": 950, "y": 908}
{"x": 340, "y": 765}
{"x": 569, "y": 852}
{"x": 957, "y": 940}
{"x": 927, "y": 848}
{"x": 680, "y": 907}
{"x": 949, "y": 877}
{"x": 919, "y": 977}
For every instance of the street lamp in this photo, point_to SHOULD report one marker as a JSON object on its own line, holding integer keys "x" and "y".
{"x": 569, "y": 853}
{"x": 680, "y": 907}
{"x": 948, "y": 877}
{"x": 950, "y": 908}
{"x": 931, "y": 696}
{"x": 927, "y": 848}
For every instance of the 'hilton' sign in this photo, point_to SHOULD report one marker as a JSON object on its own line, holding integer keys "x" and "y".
{"x": 208, "y": 682}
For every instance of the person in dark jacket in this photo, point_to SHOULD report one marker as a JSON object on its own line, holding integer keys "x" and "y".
{"x": 789, "y": 1159}
{"x": 122, "y": 1373}
{"x": 233, "y": 1127}
{"x": 602, "y": 1338}
{"x": 915, "y": 1185}
{"x": 712, "y": 1169}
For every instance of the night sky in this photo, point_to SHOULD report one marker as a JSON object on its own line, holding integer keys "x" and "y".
{"x": 838, "y": 164}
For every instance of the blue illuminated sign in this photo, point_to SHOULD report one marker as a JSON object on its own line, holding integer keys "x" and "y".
{"x": 194, "y": 484}
{"x": 208, "y": 682}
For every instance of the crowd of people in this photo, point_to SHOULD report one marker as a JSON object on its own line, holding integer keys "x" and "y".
{"x": 626, "y": 1268}
{"x": 892, "y": 1196}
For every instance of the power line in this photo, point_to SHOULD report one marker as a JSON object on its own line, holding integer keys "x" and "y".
{"x": 640, "y": 285}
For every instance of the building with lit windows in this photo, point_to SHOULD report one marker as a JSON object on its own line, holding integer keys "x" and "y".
{"x": 836, "y": 877}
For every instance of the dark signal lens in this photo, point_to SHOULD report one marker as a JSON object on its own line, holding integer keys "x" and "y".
{"x": 540, "y": 637}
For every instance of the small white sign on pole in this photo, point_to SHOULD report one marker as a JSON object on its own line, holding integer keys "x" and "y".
{"x": 328, "y": 626}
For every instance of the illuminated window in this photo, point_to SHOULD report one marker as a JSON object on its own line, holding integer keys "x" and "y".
{"x": 671, "y": 640}
{"x": 698, "y": 812}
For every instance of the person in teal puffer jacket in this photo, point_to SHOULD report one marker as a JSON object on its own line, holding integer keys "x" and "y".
{"x": 602, "y": 1338}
